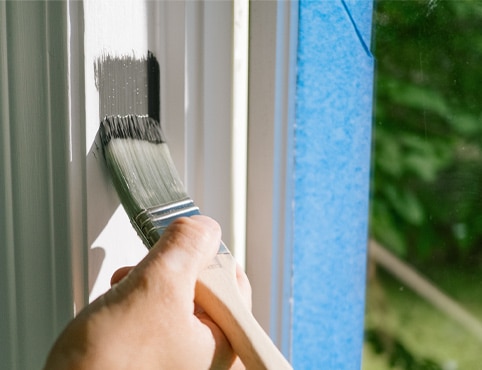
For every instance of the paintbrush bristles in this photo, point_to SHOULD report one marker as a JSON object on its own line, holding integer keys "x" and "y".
{"x": 131, "y": 127}
{"x": 142, "y": 168}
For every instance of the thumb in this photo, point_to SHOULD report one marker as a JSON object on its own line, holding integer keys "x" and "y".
{"x": 187, "y": 246}
{"x": 170, "y": 270}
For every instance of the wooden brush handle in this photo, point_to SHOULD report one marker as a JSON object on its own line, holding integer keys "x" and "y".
{"x": 218, "y": 294}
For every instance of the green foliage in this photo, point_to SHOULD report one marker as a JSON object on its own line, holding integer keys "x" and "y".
{"x": 427, "y": 170}
{"x": 398, "y": 355}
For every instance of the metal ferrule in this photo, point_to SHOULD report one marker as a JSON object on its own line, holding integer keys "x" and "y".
{"x": 151, "y": 223}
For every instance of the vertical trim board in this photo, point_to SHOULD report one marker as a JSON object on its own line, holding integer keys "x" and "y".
{"x": 217, "y": 55}
{"x": 262, "y": 59}
{"x": 272, "y": 77}
{"x": 285, "y": 94}
{"x": 117, "y": 30}
{"x": 36, "y": 176}
{"x": 208, "y": 109}
{"x": 8, "y": 305}
{"x": 77, "y": 165}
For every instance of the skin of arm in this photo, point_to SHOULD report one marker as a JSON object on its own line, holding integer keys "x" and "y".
{"x": 148, "y": 319}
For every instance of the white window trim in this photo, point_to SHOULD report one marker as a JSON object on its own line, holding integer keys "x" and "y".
{"x": 272, "y": 80}
{"x": 204, "y": 108}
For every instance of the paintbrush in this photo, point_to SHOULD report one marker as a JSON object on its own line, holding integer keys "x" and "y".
{"x": 153, "y": 196}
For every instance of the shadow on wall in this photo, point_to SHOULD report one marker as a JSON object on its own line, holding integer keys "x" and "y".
{"x": 105, "y": 203}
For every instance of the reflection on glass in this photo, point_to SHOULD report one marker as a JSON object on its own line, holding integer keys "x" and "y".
{"x": 427, "y": 185}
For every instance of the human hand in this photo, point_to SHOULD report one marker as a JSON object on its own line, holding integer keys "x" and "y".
{"x": 148, "y": 320}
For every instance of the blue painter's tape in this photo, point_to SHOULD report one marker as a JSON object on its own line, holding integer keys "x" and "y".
{"x": 332, "y": 170}
{"x": 360, "y": 12}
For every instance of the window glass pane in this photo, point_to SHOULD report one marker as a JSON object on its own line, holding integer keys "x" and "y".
{"x": 426, "y": 189}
